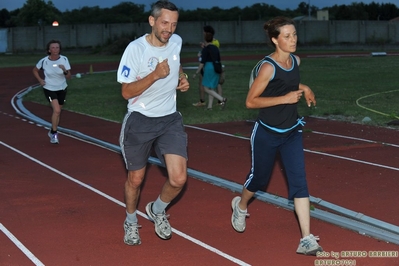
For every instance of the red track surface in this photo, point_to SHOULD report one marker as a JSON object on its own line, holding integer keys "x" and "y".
{"x": 62, "y": 222}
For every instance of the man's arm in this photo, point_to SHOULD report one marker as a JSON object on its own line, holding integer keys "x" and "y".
{"x": 135, "y": 88}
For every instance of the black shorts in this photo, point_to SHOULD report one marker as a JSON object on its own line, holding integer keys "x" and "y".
{"x": 139, "y": 134}
{"x": 52, "y": 95}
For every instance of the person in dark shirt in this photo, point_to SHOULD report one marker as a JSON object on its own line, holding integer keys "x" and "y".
{"x": 201, "y": 91}
{"x": 210, "y": 78}
{"x": 275, "y": 90}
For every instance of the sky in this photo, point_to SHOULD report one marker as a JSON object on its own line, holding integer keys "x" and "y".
{"x": 64, "y": 5}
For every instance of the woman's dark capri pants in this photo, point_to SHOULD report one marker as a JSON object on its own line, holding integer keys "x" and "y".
{"x": 264, "y": 148}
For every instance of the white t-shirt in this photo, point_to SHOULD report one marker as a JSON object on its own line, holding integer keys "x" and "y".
{"x": 140, "y": 59}
{"x": 53, "y": 75}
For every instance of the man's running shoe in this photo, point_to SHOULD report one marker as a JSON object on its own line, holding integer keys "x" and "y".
{"x": 162, "y": 226}
{"x": 132, "y": 236}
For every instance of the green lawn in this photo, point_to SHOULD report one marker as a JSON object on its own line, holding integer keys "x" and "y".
{"x": 346, "y": 88}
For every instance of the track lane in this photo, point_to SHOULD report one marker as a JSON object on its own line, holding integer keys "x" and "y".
{"x": 269, "y": 229}
{"x": 217, "y": 209}
{"x": 65, "y": 204}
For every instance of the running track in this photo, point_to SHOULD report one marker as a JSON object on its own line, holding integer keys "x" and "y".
{"x": 63, "y": 204}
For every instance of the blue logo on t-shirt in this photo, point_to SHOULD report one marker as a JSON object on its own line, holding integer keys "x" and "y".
{"x": 125, "y": 71}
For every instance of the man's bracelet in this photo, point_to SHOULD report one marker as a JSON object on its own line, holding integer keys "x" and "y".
{"x": 66, "y": 72}
{"x": 183, "y": 74}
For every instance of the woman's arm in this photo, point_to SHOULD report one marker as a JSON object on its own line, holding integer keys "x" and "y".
{"x": 35, "y": 72}
{"x": 254, "y": 99}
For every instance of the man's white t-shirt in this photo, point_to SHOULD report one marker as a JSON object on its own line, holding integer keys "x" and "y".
{"x": 54, "y": 76}
{"x": 138, "y": 60}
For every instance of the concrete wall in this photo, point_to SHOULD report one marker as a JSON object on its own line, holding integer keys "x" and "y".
{"x": 3, "y": 40}
{"x": 314, "y": 32}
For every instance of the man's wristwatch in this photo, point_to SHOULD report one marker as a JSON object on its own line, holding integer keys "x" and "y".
{"x": 183, "y": 74}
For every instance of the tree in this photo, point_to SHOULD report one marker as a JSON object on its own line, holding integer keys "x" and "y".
{"x": 129, "y": 12}
{"x": 37, "y": 12}
{"x": 387, "y": 12}
{"x": 303, "y": 8}
{"x": 124, "y": 12}
{"x": 40, "y": 12}
{"x": 4, "y": 17}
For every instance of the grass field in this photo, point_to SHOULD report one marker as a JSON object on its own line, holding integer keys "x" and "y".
{"x": 346, "y": 88}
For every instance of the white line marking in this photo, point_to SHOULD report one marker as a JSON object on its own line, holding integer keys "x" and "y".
{"x": 359, "y": 139}
{"x": 316, "y": 132}
{"x": 21, "y": 246}
{"x": 244, "y": 138}
{"x": 353, "y": 160}
{"x": 217, "y": 132}
{"x": 321, "y": 153}
{"x": 196, "y": 241}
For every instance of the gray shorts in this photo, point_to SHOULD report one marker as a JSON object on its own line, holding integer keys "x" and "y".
{"x": 139, "y": 134}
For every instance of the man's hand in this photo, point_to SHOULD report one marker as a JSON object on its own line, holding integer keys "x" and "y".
{"x": 162, "y": 69}
{"x": 183, "y": 85}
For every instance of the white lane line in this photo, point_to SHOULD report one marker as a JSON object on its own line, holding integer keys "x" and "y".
{"x": 21, "y": 246}
{"x": 353, "y": 138}
{"x": 315, "y": 132}
{"x": 189, "y": 238}
{"x": 354, "y": 160}
{"x": 321, "y": 153}
{"x": 217, "y": 132}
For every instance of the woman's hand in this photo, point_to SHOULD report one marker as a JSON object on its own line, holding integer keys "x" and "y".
{"x": 293, "y": 96}
{"x": 309, "y": 95}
